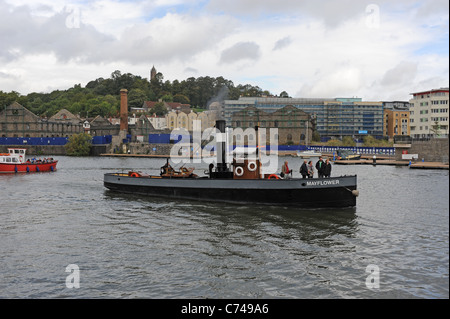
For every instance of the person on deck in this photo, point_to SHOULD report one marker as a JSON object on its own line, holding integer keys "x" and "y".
{"x": 304, "y": 169}
{"x": 310, "y": 170}
{"x": 320, "y": 165}
{"x": 285, "y": 171}
{"x": 327, "y": 169}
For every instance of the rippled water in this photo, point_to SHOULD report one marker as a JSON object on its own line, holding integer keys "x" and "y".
{"x": 138, "y": 247}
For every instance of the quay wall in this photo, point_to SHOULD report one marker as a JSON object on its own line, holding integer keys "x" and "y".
{"x": 149, "y": 149}
{"x": 433, "y": 150}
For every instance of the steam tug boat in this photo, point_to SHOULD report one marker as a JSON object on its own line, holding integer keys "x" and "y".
{"x": 14, "y": 162}
{"x": 244, "y": 184}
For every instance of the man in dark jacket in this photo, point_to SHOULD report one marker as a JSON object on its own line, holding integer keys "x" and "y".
{"x": 304, "y": 169}
{"x": 320, "y": 165}
{"x": 327, "y": 169}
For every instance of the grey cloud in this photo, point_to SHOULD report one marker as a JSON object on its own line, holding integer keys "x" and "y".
{"x": 403, "y": 73}
{"x": 190, "y": 70}
{"x": 64, "y": 35}
{"x": 331, "y": 12}
{"x": 240, "y": 51}
{"x": 4, "y": 75}
{"x": 22, "y": 34}
{"x": 282, "y": 43}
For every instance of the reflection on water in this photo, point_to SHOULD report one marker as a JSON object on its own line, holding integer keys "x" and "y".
{"x": 130, "y": 246}
{"x": 311, "y": 221}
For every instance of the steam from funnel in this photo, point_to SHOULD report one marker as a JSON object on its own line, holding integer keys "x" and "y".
{"x": 215, "y": 104}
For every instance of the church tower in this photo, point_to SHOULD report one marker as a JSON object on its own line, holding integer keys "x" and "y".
{"x": 152, "y": 73}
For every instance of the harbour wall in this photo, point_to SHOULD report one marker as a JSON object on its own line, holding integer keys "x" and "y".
{"x": 433, "y": 150}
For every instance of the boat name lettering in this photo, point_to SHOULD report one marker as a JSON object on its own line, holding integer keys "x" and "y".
{"x": 325, "y": 182}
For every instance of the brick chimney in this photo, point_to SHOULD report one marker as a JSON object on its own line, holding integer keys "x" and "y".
{"x": 123, "y": 110}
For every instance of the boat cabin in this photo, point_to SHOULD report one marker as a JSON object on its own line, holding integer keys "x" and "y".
{"x": 14, "y": 155}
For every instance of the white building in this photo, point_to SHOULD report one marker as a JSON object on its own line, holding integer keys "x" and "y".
{"x": 429, "y": 113}
{"x": 159, "y": 123}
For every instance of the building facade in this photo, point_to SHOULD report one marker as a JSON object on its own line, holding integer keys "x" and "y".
{"x": 333, "y": 117}
{"x": 429, "y": 113}
{"x": 17, "y": 121}
{"x": 294, "y": 126}
{"x": 179, "y": 119}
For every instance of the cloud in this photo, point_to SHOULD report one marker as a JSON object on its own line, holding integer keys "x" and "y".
{"x": 400, "y": 74}
{"x": 240, "y": 51}
{"x": 282, "y": 43}
{"x": 190, "y": 70}
{"x": 23, "y": 33}
{"x": 173, "y": 37}
{"x": 306, "y": 48}
{"x": 342, "y": 82}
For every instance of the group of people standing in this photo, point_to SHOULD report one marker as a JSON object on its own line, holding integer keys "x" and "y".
{"x": 307, "y": 169}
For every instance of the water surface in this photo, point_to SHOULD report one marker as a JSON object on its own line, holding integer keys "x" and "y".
{"x": 130, "y": 246}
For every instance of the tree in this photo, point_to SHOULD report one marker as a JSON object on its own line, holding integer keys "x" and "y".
{"x": 79, "y": 145}
{"x": 167, "y": 98}
{"x": 159, "y": 109}
{"x": 348, "y": 141}
{"x": 435, "y": 128}
{"x": 316, "y": 136}
{"x": 284, "y": 94}
{"x": 180, "y": 98}
{"x": 136, "y": 98}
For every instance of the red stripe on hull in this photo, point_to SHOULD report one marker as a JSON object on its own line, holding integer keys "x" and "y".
{"x": 27, "y": 167}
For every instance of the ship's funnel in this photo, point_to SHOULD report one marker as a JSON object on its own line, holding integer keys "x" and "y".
{"x": 220, "y": 145}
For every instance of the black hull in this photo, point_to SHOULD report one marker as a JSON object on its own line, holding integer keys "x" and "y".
{"x": 307, "y": 193}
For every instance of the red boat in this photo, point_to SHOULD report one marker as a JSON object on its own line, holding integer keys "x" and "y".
{"x": 14, "y": 162}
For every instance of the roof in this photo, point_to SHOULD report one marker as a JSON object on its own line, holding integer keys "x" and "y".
{"x": 431, "y": 91}
{"x": 64, "y": 115}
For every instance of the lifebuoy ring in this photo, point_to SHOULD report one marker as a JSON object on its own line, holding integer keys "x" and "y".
{"x": 252, "y": 166}
{"x": 134, "y": 174}
{"x": 239, "y": 171}
{"x": 273, "y": 176}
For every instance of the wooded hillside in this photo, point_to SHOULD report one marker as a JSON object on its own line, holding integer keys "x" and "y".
{"x": 102, "y": 96}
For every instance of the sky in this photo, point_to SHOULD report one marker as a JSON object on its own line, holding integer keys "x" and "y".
{"x": 375, "y": 50}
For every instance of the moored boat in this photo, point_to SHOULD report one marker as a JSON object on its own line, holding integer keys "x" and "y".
{"x": 242, "y": 181}
{"x": 308, "y": 154}
{"x": 347, "y": 155}
{"x": 15, "y": 162}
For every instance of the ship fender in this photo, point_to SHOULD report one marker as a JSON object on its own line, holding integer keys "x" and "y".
{"x": 252, "y": 166}
{"x": 239, "y": 171}
{"x": 354, "y": 192}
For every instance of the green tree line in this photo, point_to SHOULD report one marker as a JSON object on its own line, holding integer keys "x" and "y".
{"x": 102, "y": 96}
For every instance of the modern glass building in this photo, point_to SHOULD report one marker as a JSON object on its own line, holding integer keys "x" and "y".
{"x": 334, "y": 117}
